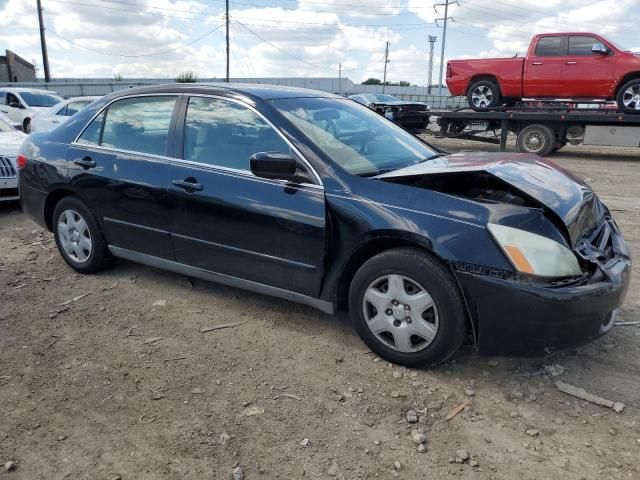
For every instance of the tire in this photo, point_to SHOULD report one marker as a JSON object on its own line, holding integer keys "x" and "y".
{"x": 428, "y": 340}
{"x": 26, "y": 125}
{"x": 483, "y": 95}
{"x": 79, "y": 237}
{"x": 628, "y": 97}
{"x": 536, "y": 139}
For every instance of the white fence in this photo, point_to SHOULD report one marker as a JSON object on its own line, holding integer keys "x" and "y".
{"x": 76, "y": 87}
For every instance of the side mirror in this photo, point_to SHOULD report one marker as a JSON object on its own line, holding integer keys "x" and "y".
{"x": 275, "y": 166}
{"x": 600, "y": 49}
{"x": 14, "y": 104}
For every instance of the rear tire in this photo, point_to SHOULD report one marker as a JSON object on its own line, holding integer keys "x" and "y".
{"x": 628, "y": 97}
{"x": 483, "y": 95}
{"x": 79, "y": 237}
{"x": 26, "y": 125}
{"x": 536, "y": 139}
{"x": 419, "y": 319}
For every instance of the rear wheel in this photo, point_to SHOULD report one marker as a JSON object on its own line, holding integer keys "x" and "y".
{"x": 483, "y": 95}
{"x": 628, "y": 97}
{"x": 536, "y": 139}
{"x": 79, "y": 238}
{"x": 26, "y": 125}
{"x": 407, "y": 308}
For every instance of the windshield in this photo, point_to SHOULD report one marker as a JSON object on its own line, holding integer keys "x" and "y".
{"x": 378, "y": 97}
{"x": 5, "y": 126}
{"x": 34, "y": 99}
{"x": 359, "y": 140}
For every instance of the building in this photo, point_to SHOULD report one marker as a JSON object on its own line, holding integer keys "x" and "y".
{"x": 14, "y": 68}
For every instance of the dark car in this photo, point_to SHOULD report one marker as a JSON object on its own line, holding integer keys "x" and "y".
{"x": 250, "y": 186}
{"x": 412, "y": 116}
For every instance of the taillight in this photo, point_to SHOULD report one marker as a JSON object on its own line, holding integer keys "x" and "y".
{"x": 449, "y": 71}
{"x": 22, "y": 161}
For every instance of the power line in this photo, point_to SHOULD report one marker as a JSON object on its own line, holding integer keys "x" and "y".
{"x": 137, "y": 55}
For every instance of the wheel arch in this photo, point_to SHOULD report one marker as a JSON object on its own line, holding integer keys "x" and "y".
{"x": 627, "y": 77}
{"x": 53, "y": 198}
{"x": 483, "y": 76}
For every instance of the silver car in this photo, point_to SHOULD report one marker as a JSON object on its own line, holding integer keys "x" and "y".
{"x": 10, "y": 141}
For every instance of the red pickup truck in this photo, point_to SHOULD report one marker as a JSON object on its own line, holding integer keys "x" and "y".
{"x": 575, "y": 66}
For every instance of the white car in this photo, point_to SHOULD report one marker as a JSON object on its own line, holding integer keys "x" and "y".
{"x": 58, "y": 114}
{"x": 21, "y": 104}
{"x": 10, "y": 142}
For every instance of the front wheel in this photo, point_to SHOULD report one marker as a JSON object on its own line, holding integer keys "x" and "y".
{"x": 483, "y": 95}
{"x": 628, "y": 97}
{"x": 407, "y": 308}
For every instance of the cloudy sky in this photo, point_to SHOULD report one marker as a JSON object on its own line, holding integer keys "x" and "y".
{"x": 271, "y": 38}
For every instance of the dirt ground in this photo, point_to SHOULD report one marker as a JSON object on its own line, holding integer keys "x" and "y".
{"x": 109, "y": 377}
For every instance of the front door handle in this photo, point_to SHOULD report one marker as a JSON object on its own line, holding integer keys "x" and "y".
{"x": 86, "y": 163}
{"x": 189, "y": 184}
{"x": 537, "y": 63}
{"x": 571, "y": 63}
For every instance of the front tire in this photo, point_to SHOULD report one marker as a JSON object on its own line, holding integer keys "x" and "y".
{"x": 628, "y": 97}
{"x": 79, "y": 238}
{"x": 483, "y": 95}
{"x": 407, "y": 308}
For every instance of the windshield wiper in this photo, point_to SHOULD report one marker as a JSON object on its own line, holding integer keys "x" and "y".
{"x": 435, "y": 155}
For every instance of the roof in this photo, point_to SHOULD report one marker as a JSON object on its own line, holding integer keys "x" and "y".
{"x": 18, "y": 89}
{"x": 256, "y": 91}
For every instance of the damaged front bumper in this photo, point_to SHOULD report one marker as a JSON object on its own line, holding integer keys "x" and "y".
{"x": 527, "y": 318}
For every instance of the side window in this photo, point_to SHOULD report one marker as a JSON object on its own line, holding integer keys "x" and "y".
{"x": 581, "y": 45}
{"x": 549, "y": 47}
{"x": 3, "y": 98}
{"x": 91, "y": 135}
{"x": 11, "y": 98}
{"x": 139, "y": 124}
{"x": 225, "y": 134}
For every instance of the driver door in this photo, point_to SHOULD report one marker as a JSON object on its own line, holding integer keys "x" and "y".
{"x": 14, "y": 113}
{"x": 228, "y": 221}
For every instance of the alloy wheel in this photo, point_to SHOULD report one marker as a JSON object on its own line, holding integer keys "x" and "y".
{"x": 400, "y": 313}
{"x": 482, "y": 96}
{"x": 631, "y": 97}
{"x": 74, "y": 235}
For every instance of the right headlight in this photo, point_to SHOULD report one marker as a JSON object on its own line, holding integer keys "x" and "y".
{"x": 535, "y": 254}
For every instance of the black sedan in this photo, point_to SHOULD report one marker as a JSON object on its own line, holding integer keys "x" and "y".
{"x": 251, "y": 186}
{"x": 412, "y": 116}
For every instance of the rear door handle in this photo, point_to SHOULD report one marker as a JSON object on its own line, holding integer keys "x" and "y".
{"x": 571, "y": 63}
{"x": 189, "y": 184}
{"x": 86, "y": 163}
{"x": 537, "y": 63}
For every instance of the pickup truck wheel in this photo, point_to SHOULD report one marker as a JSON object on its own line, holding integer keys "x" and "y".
{"x": 483, "y": 95}
{"x": 536, "y": 139}
{"x": 628, "y": 98}
{"x": 407, "y": 308}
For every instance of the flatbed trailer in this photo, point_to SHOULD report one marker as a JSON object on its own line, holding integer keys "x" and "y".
{"x": 542, "y": 130}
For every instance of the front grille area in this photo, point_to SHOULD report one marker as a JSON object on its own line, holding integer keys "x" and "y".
{"x": 7, "y": 169}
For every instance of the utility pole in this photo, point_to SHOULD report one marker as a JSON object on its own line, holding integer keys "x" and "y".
{"x": 226, "y": 16}
{"x": 432, "y": 41}
{"x": 444, "y": 34}
{"x": 43, "y": 44}
{"x": 340, "y": 78}
{"x": 386, "y": 60}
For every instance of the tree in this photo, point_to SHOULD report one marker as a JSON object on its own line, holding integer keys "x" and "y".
{"x": 187, "y": 77}
{"x": 118, "y": 77}
{"x": 372, "y": 81}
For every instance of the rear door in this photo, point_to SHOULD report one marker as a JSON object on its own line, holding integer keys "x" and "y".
{"x": 120, "y": 164}
{"x": 543, "y": 68}
{"x": 226, "y": 220}
{"x": 586, "y": 74}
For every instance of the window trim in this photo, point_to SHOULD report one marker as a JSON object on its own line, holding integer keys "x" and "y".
{"x": 173, "y": 127}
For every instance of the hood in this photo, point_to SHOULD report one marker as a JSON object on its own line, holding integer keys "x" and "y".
{"x": 10, "y": 143}
{"x": 401, "y": 103}
{"x": 559, "y": 191}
